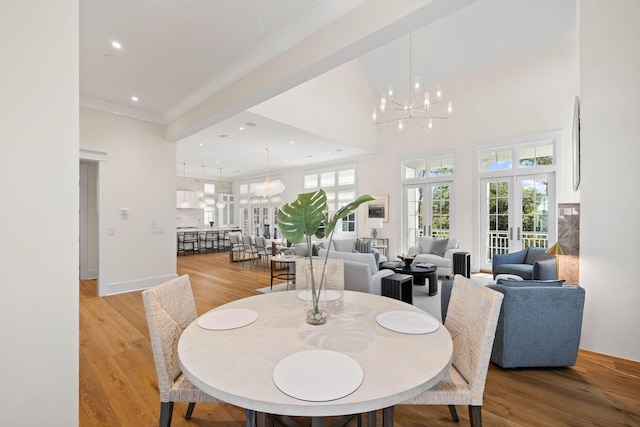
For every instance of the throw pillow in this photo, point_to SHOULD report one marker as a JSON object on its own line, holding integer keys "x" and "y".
{"x": 439, "y": 246}
{"x": 527, "y": 283}
{"x": 363, "y": 247}
{"x": 413, "y": 251}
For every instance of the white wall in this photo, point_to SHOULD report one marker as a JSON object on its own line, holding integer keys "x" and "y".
{"x": 140, "y": 176}
{"x": 39, "y": 253}
{"x": 610, "y": 206}
{"x": 336, "y": 105}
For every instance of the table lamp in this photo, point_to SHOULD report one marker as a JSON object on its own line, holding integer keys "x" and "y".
{"x": 557, "y": 250}
{"x": 374, "y": 224}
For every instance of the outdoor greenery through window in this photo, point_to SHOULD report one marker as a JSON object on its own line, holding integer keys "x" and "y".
{"x": 428, "y": 187}
{"x": 536, "y": 156}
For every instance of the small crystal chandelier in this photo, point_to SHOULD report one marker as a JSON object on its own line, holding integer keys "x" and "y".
{"x": 268, "y": 188}
{"x": 417, "y": 109}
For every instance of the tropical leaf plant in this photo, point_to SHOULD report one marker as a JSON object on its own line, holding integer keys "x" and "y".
{"x": 307, "y": 216}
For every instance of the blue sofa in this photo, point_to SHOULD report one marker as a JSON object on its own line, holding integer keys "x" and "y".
{"x": 539, "y": 324}
{"x": 531, "y": 263}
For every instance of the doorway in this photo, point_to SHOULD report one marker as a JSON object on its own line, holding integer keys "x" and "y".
{"x": 92, "y": 239}
{"x": 516, "y": 212}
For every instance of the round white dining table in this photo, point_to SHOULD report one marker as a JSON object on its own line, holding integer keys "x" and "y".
{"x": 237, "y": 365}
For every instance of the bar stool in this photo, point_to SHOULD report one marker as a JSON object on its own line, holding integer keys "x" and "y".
{"x": 190, "y": 241}
{"x": 211, "y": 241}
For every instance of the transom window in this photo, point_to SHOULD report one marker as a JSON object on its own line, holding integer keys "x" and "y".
{"x": 436, "y": 166}
{"x": 541, "y": 154}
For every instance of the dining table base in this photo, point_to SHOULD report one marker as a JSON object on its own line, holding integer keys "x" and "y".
{"x": 260, "y": 419}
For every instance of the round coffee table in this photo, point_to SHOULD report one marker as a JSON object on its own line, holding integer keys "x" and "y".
{"x": 421, "y": 275}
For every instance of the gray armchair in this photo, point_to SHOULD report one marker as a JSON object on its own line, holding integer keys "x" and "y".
{"x": 530, "y": 264}
{"x": 539, "y": 324}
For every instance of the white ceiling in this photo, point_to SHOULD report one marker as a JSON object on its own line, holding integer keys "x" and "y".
{"x": 176, "y": 54}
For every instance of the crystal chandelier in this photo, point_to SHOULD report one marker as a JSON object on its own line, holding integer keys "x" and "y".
{"x": 268, "y": 188}
{"x": 417, "y": 109}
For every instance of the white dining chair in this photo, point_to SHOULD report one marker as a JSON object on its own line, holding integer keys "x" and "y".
{"x": 263, "y": 252}
{"x": 471, "y": 320}
{"x": 250, "y": 251}
{"x": 170, "y": 308}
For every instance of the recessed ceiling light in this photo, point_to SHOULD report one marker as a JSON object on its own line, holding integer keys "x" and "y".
{"x": 241, "y": 128}
{"x": 291, "y": 142}
{"x": 251, "y": 124}
{"x": 116, "y": 45}
{"x": 309, "y": 156}
{"x": 201, "y": 144}
{"x": 338, "y": 149}
{"x": 134, "y": 98}
{"x": 222, "y": 135}
{"x": 328, "y": 152}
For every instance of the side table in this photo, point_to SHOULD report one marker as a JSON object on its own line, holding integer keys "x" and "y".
{"x": 398, "y": 286}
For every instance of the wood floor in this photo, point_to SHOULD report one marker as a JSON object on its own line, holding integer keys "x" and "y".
{"x": 118, "y": 385}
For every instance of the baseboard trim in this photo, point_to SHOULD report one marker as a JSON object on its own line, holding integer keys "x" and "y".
{"x": 134, "y": 285}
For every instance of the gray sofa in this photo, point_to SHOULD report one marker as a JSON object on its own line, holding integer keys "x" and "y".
{"x": 346, "y": 245}
{"x": 531, "y": 263}
{"x": 539, "y": 324}
{"x": 360, "y": 271}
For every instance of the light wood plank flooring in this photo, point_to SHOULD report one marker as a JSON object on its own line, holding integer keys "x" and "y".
{"x": 118, "y": 385}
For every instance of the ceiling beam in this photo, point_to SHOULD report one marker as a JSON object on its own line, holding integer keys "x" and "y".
{"x": 373, "y": 24}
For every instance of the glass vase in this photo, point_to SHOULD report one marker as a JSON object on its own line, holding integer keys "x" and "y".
{"x": 316, "y": 301}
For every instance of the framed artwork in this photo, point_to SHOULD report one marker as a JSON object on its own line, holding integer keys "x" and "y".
{"x": 378, "y": 208}
{"x": 576, "y": 144}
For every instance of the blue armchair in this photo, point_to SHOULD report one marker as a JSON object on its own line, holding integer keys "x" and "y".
{"x": 530, "y": 264}
{"x": 539, "y": 324}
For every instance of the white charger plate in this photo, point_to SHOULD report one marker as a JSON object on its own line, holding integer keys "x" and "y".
{"x": 407, "y": 322}
{"x": 325, "y": 295}
{"x": 228, "y": 318}
{"x": 318, "y": 375}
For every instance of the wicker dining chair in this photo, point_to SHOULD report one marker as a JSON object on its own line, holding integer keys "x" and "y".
{"x": 170, "y": 308}
{"x": 472, "y": 319}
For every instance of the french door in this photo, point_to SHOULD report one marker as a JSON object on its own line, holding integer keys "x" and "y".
{"x": 516, "y": 212}
{"x": 428, "y": 211}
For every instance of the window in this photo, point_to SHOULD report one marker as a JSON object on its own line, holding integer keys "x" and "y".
{"x": 428, "y": 198}
{"x": 441, "y": 167}
{"x": 311, "y": 181}
{"x": 540, "y": 155}
{"x": 526, "y": 156}
{"x": 209, "y": 188}
{"x": 340, "y": 186}
{"x": 414, "y": 169}
{"x": 209, "y": 214}
{"x": 327, "y": 179}
{"x": 347, "y": 177}
{"x": 496, "y": 160}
